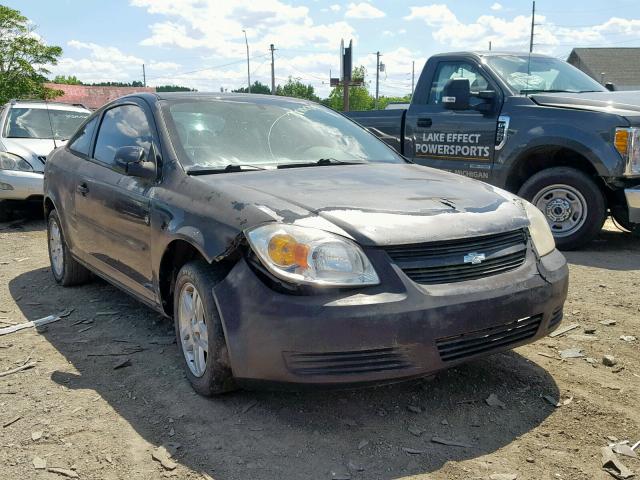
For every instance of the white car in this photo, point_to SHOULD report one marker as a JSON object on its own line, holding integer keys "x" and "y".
{"x": 29, "y": 130}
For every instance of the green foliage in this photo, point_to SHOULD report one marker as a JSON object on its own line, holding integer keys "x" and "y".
{"x": 359, "y": 97}
{"x": 295, "y": 88}
{"x": 135, "y": 83}
{"x": 384, "y": 101}
{"x": 23, "y": 59}
{"x": 67, "y": 80}
{"x": 256, "y": 87}
{"x": 174, "y": 88}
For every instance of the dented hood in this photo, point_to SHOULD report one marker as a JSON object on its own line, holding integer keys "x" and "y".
{"x": 375, "y": 204}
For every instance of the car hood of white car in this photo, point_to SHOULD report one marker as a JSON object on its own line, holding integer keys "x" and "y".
{"x": 33, "y": 150}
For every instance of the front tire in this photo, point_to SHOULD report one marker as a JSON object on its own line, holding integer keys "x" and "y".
{"x": 65, "y": 269}
{"x": 199, "y": 332}
{"x": 572, "y": 203}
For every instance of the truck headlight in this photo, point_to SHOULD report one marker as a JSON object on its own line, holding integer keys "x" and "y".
{"x": 311, "y": 256}
{"x": 627, "y": 142}
{"x": 539, "y": 229}
{"x": 9, "y": 161}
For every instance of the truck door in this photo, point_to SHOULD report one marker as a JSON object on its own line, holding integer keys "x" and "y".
{"x": 461, "y": 141}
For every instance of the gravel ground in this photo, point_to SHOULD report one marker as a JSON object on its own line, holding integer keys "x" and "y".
{"x": 77, "y": 412}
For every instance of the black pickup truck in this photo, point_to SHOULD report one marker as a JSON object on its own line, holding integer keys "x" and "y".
{"x": 531, "y": 124}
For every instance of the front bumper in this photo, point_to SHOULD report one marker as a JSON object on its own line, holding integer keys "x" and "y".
{"x": 393, "y": 331}
{"x": 16, "y": 185}
{"x": 633, "y": 203}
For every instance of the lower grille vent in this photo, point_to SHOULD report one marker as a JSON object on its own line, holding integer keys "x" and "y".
{"x": 345, "y": 363}
{"x": 481, "y": 341}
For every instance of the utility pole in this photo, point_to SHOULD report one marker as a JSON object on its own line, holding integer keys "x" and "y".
{"x": 144, "y": 76}
{"x": 413, "y": 75}
{"x": 377, "y": 76}
{"x": 273, "y": 74}
{"x": 248, "y": 74}
{"x": 489, "y": 45}
{"x": 533, "y": 20}
{"x": 346, "y": 59}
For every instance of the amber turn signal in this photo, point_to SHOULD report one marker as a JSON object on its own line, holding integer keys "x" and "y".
{"x": 285, "y": 251}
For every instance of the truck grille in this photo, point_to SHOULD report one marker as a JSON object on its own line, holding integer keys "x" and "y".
{"x": 350, "y": 362}
{"x": 449, "y": 261}
{"x": 482, "y": 341}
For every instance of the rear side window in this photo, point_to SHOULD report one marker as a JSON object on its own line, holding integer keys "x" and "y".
{"x": 82, "y": 141}
{"x": 451, "y": 70}
{"x": 123, "y": 126}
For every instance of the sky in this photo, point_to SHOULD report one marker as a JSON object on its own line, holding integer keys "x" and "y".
{"x": 201, "y": 43}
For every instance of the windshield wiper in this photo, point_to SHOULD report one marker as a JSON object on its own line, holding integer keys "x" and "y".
{"x": 232, "y": 167}
{"x": 536, "y": 90}
{"x": 321, "y": 162}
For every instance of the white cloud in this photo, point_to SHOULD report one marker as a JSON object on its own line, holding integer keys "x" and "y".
{"x": 363, "y": 10}
{"x": 496, "y": 7}
{"x": 335, "y": 7}
{"x": 513, "y": 33}
{"x": 217, "y": 26}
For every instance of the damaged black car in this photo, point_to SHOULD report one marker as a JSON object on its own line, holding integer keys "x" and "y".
{"x": 293, "y": 247}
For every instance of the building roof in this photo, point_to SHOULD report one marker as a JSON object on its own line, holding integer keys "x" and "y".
{"x": 92, "y": 96}
{"x": 621, "y": 66}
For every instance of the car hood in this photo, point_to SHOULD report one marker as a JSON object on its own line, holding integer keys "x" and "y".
{"x": 375, "y": 204}
{"x": 33, "y": 150}
{"x": 620, "y": 103}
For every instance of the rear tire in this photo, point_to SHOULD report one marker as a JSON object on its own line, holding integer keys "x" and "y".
{"x": 65, "y": 269}
{"x": 6, "y": 212}
{"x": 199, "y": 331}
{"x": 572, "y": 203}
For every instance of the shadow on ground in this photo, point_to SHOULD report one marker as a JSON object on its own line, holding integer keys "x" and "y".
{"x": 262, "y": 435}
{"x": 598, "y": 253}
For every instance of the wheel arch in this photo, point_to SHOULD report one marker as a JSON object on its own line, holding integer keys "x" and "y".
{"x": 176, "y": 254}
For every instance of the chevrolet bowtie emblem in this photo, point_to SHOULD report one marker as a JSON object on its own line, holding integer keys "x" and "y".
{"x": 474, "y": 258}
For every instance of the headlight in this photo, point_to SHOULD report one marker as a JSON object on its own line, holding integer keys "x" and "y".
{"x": 539, "y": 229}
{"x": 310, "y": 256}
{"x": 627, "y": 142}
{"x": 9, "y": 161}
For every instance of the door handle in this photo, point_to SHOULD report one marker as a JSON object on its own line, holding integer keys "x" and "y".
{"x": 425, "y": 122}
{"x": 82, "y": 189}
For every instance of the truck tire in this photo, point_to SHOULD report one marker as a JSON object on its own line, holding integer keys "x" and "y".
{"x": 65, "y": 269}
{"x": 199, "y": 332}
{"x": 572, "y": 202}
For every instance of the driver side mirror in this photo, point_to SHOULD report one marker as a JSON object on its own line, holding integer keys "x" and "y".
{"x": 456, "y": 94}
{"x": 131, "y": 161}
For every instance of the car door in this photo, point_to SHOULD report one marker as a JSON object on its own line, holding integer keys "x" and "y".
{"x": 112, "y": 209}
{"x": 461, "y": 141}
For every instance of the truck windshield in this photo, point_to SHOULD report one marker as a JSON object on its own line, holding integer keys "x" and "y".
{"x": 542, "y": 74}
{"x": 34, "y": 123}
{"x": 223, "y": 131}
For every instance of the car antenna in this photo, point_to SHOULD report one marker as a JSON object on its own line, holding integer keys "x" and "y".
{"x": 46, "y": 104}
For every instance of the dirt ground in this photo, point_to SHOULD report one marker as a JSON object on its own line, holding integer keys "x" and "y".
{"x": 76, "y": 412}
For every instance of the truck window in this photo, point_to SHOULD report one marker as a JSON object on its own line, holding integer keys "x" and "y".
{"x": 450, "y": 70}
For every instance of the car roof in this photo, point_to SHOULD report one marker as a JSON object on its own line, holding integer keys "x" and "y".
{"x": 39, "y": 104}
{"x": 177, "y": 96}
{"x": 492, "y": 53}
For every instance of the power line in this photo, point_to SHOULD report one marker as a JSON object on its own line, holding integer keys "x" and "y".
{"x": 213, "y": 67}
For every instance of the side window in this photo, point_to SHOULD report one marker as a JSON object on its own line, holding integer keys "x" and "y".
{"x": 81, "y": 142}
{"x": 450, "y": 70}
{"x": 122, "y": 126}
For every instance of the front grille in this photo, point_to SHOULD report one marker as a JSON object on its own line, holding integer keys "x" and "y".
{"x": 488, "y": 339}
{"x": 444, "y": 261}
{"x": 345, "y": 363}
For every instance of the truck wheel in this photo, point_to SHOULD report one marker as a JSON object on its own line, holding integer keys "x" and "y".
{"x": 66, "y": 270}
{"x": 199, "y": 330}
{"x": 572, "y": 202}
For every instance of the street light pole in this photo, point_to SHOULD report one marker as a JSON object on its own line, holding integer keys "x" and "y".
{"x": 248, "y": 74}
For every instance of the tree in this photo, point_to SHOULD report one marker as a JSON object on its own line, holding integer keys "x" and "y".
{"x": 67, "y": 80}
{"x": 359, "y": 97}
{"x": 256, "y": 87}
{"x": 295, "y": 88}
{"x": 23, "y": 59}
{"x": 174, "y": 88}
